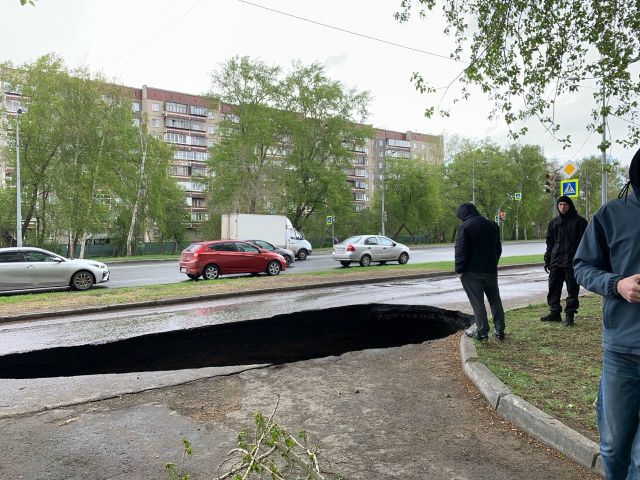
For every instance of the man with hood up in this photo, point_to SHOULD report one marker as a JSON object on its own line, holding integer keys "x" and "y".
{"x": 608, "y": 263}
{"x": 478, "y": 250}
{"x": 563, "y": 237}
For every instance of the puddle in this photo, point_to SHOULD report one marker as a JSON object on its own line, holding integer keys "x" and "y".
{"x": 275, "y": 340}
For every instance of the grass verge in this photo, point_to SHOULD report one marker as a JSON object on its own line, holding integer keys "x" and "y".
{"x": 551, "y": 366}
{"x": 101, "y": 296}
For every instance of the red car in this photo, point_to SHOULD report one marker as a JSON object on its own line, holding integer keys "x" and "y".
{"x": 222, "y": 257}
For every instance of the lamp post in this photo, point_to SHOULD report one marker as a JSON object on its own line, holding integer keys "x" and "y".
{"x": 18, "y": 196}
{"x": 382, "y": 219}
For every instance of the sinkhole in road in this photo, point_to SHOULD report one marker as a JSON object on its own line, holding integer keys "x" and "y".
{"x": 278, "y": 339}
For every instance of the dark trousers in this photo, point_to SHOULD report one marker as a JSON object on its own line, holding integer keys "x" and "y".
{"x": 557, "y": 277}
{"x": 477, "y": 285}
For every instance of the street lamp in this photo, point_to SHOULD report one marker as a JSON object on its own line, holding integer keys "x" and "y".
{"x": 18, "y": 196}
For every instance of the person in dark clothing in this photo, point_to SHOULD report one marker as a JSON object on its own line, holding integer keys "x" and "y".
{"x": 608, "y": 263}
{"x": 477, "y": 252}
{"x": 563, "y": 237}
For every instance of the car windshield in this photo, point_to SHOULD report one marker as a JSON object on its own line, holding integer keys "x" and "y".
{"x": 351, "y": 240}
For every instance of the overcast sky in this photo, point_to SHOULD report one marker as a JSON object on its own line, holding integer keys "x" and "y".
{"x": 176, "y": 44}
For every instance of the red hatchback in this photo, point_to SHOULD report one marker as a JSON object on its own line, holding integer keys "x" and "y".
{"x": 222, "y": 257}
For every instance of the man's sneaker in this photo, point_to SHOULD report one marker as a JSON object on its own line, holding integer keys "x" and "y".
{"x": 551, "y": 317}
{"x": 568, "y": 320}
{"x": 499, "y": 335}
{"x": 476, "y": 336}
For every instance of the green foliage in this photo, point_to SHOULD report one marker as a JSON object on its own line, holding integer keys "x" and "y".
{"x": 287, "y": 142}
{"x": 179, "y": 474}
{"x": 525, "y": 55}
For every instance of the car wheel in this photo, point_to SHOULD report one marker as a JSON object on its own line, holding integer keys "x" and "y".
{"x": 404, "y": 258}
{"x": 365, "y": 261}
{"x": 211, "y": 272}
{"x": 345, "y": 263}
{"x": 302, "y": 254}
{"x": 193, "y": 277}
{"x": 82, "y": 280}
{"x": 288, "y": 259}
{"x": 273, "y": 268}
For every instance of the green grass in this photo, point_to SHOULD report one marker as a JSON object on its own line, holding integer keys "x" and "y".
{"x": 551, "y": 366}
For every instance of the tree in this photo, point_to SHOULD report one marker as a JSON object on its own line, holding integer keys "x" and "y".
{"x": 320, "y": 124}
{"x": 525, "y": 55}
{"x": 412, "y": 197}
{"x": 244, "y": 178}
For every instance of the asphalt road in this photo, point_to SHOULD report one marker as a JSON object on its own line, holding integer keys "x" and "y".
{"x": 154, "y": 273}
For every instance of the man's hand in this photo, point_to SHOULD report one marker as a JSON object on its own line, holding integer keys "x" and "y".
{"x": 629, "y": 288}
{"x": 546, "y": 269}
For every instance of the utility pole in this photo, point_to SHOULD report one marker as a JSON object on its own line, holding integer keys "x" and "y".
{"x": 604, "y": 148}
{"x": 382, "y": 192}
{"x": 18, "y": 189}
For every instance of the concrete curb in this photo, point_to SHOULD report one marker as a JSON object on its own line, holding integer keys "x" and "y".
{"x": 222, "y": 296}
{"x": 532, "y": 420}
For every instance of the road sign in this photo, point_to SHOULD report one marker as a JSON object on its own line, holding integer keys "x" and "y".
{"x": 517, "y": 196}
{"x": 569, "y": 169}
{"x": 569, "y": 188}
{"x": 329, "y": 220}
{"x": 497, "y": 219}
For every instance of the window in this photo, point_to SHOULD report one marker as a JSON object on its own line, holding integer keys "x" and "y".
{"x": 179, "y": 171}
{"x": 11, "y": 257}
{"x": 175, "y": 138}
{"x": 12, "y": 105}
{"x": 199, "y": 217}
{"x": 135, "y": 107}
{"x": 385, "y": 242}
{"x": 415, "y": 145}
{"x": 380, "y": 153}
{"x": 135, "y": 122}
{"x": 198, "y": 110}
{"x": 361, "y": 172}
{"x": 155, "y": 107}
{"x": 155, "y": 122}
{"x": 371, "y": 241}
{"x": 201, "y": 141}
{"x": 176, "y": 123}
{"x": 199, "y": 126}
{"x": 380, "y": 142}
{"x": 198, "y": 171}
{"x": 38, "y": 257}
{"x": 212, "y": 129}
{"x": 224, "y": 247}
{"x": 398, "y": 143}
{"x": 185, "y": 155}
{"x": 211, "y": 143}
{"x": 197, "y": 202}
{"x": 176, "y": 107}
{"x": 246, "y": 247}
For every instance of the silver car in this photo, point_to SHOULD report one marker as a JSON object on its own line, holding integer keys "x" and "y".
{"x": 30, "y": 268}
{"x": 365, "y": 249}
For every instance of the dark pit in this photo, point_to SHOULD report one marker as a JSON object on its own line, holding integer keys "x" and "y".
{"x": 275, "y": 340}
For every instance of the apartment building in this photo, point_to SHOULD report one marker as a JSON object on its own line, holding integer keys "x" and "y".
{"x": 190, "y": 123}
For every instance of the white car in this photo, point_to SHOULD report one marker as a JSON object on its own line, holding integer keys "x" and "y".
{"x": 365, "y": 249}
{"x": 30, "y": 268}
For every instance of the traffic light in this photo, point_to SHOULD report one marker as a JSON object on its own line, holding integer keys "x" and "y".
{"x": 549, "y": 184}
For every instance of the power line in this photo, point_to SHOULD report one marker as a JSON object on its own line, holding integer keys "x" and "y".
{"x": 135, "y": 49}
{"x": 350, "y": 32}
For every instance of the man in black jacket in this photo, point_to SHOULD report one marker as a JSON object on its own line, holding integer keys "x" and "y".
{"x": 478, "y": 250}
{"x": 563, "y": 237}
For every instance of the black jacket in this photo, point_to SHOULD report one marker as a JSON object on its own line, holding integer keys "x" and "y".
{"x": 563, "y": 237}
{"x": 478, "y": 247}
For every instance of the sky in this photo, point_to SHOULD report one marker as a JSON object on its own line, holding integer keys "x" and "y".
{"x": 177, "y": 44}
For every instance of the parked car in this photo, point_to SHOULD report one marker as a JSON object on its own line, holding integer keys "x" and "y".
{"x": 222, "y": 257}
{"x": 365, "y": 249}
{"x": 28, "y": 268}
{"x": 285, "y": 252}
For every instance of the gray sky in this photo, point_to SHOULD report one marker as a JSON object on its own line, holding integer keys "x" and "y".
{"x": 176, "y": 44}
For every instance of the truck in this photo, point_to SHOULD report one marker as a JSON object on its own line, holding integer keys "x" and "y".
{"x": 275, "y": 229}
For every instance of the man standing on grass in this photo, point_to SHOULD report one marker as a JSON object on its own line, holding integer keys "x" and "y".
{"x": 478, "y": 250}
{"x": 563, "y": 237}
{"x": 608, "y": 262}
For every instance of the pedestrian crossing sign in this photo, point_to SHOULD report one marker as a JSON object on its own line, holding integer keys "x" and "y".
{"x": 569, "y": 188}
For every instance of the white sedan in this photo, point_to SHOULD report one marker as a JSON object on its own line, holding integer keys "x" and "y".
{"x": 30, "y": 268}
{"x": 365, "y": 249}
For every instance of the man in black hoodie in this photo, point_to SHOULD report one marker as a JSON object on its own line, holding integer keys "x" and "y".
{"x": 478, "y": 250}
{"x": 563, "y": 237}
